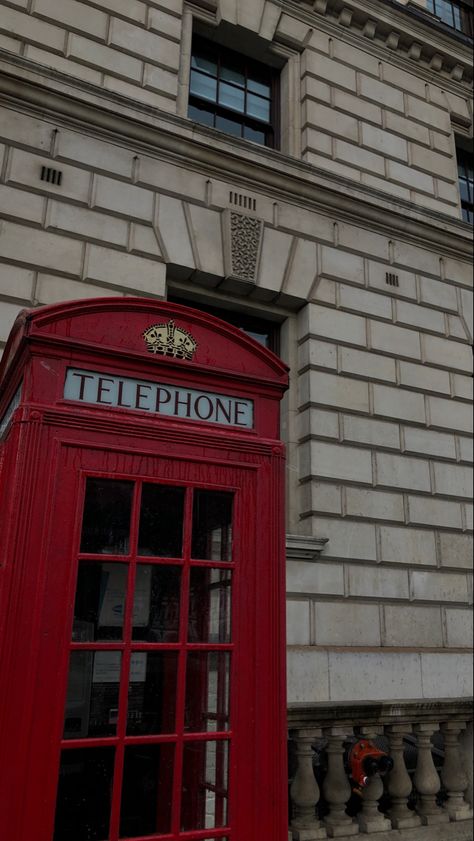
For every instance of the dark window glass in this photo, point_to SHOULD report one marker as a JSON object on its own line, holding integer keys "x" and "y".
{"x": 210, "y": 606}
{"x": 106, "y": 521}
{"x": 84, "y": 795}
{"x": 456, "y": 14}
{"x": 466, "y": 183}
{"x": 212, "y": 526}
{"x": 205, "y": 785}
{"x": 161, "y": 522}
{"x": 264, "y": 332}
{"x": 92, "y": 694}
{"x": 100, "y": 602}
{"x": 156, "y": 607}
{"x": 233, "y": 93}
{"x": 147, "y": 790}
{"x": 151, "y": 693}
{"x": 207, "y": 692}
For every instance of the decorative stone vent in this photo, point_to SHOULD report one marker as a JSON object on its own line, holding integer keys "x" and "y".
{"x": 392, "y": 279}
{"x": 52, "y": 176}
{"x": 245, "y": 202}
{"x": 243, "y": 237}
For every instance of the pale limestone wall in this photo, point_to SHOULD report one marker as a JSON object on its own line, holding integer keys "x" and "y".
{"x": 378, "y": 417}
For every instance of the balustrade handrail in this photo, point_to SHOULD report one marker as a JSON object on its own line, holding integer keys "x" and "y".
{"x": 426, "y": 786}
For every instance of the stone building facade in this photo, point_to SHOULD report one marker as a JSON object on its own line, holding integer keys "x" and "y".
{"x": 350, "y": 238}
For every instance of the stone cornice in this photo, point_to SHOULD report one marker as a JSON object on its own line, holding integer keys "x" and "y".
{"x": 411, "y": 37}
{"x": 304, "y": 548}
{"x": 67, "y": 101}
{"x": 385, "y": 712}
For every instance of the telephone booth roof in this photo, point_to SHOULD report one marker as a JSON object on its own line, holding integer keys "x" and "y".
{"x": 116, "y": 328}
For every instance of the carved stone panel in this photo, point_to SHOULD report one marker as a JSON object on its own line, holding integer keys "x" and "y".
{"x": 243, "y": 236}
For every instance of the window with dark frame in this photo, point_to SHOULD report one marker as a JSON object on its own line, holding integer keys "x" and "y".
{"x": 466, "y": 183}
{"x": 266, "y": 332}
{"x": 233, "y": 93}
{"x": 456, "y": 14}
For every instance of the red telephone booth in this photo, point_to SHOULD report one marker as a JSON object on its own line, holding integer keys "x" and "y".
{"x": 141, "y": 578}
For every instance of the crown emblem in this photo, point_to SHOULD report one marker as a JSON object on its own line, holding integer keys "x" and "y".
{"x": 170, "y": 340}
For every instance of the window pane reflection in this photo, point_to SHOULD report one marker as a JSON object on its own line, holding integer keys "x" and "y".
{"x": 84, "y": 795}
{"x": 205, "y": 786}
{"x": 106, "y": 521}
{"x": 212, "y": 526}
{"x": 210, "y": 607}
{"x": 152, "y": 693}
{"x": 156, "y": 606}
{"x": 207, "y": 692}
{"x": 147, "y": 790}
{"x": 100, "y": 602}
{"x": 161, "y": 522}
{"x": 92, "y": 694}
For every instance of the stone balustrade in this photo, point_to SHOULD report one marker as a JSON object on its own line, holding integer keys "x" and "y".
{"x": 427, "y": 796}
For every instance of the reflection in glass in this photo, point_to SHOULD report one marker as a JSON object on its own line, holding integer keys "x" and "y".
{"x": 161, "y": 521}
{"x": 92, "y": 694}
{"x": 205, "y": 785}
{"x": 106, "y": 521}
{"x": 151, "y": 694}
{"x": 260, "y": 88}
{"x": 207, "y": 692}
{"x": 233, "y": 76}
{"x": 203, "y": 86}
{"x": 84, "y": 795}
{"x": 100, "y": 602}
{"x": 156, "y": 605}
{"x": 212, "y": 526}
{"x": 228, "y": 125}
{"x": 232, "y": 97}
{"x": 147, "y": 790}
{"x": 201, "y": 114}
{"x": 204, "y": 64}
{"x": 257, "y": 137}
{"x": 258, "y": 107}
{"x": 210, "y": 606}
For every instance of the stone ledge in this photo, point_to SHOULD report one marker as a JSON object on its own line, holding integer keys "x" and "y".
{"x": 304, "y": 548}
{"x": 384, "y": 712}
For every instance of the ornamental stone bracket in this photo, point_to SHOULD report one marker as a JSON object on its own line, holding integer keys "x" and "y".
{"x": 243, "y": 238}
{"x": 304, "y": 548}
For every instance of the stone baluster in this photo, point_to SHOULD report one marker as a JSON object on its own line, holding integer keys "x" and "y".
{"x": 305, "y": 792}
{"x": 336, "y": 786}
{"x": 453, "y": 774}
{"x": 370, "y": 818}
{"x": 427, "y": 781}
{"x": 399, "y": 784}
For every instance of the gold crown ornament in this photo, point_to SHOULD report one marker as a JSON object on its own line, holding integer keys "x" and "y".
{"x": 170, "y": 340}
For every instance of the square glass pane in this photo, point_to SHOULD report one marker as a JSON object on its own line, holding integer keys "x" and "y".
{"x": 100, "y": 602}
{"x": 161, "y": 521}
{"x": 231, "y": 97}
{"x": 147, "y": 791}
{"x": 206, "y": 65}
{"x": 445, "y": 11}
{"x": 212, "y": 525}
{"x": 210, "y": 606}
{"x": 201, "y": 114}
{"x": 233, "y": 76}
{"x": 92, "y": 694}
{"x": 258, "y": 108}
{"x": 257, "y": 136}
{"x": 84, "y": 795}
{"x": 106, "y": 520}
{"x": 203, "y": 86}
{"x": 205, "y": 786}
{"x": 260, "y": 88}
{"x": 208, "y": 692}
{"x": 457, "y": 18}
{"x": 229, "y": 126}
{"x": 156, "y": 605}
{"x": 152, "y": 693}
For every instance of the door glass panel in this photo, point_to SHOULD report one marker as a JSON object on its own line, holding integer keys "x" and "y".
{"x": 106, "y": 521}
{"x": 212, "y": 525}
{"x": 152, "y": 693}
{"x": 210, "y": 607}
{"x": 207, "y": 692}
{"x": 161, "y": 522}
{"x": 205, "y": 785}
{"x": 92, "y": 694}
{"x": 147, "y": 790}
{"x": 156, "y": 606}
{"x": 100, "y": 602}
{"x": 84, "y": 795}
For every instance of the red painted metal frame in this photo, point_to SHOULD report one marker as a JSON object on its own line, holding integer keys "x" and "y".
{"x": 49, "y": 448}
